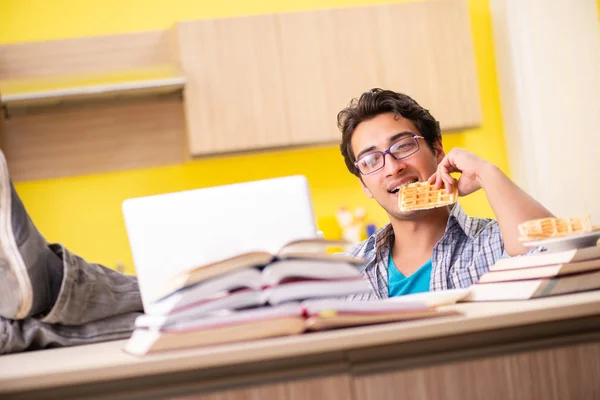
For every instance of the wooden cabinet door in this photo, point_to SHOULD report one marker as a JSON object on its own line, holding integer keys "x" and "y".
{"x": 234, "y": 92}
{"x": 336, "y": 387}
{"x": 326, "y": 62}
{"x": 280, "y": 80}
{"x": 423, "y": 49}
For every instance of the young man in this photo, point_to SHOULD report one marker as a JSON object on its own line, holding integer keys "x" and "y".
{"x": 50, "y": 297}
{"x": 388, "y": 140}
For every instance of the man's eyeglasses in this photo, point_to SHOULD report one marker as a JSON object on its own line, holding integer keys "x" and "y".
{"x": 373, "y": 162}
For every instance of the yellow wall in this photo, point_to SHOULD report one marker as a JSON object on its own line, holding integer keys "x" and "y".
{"x": 84, "y": 212}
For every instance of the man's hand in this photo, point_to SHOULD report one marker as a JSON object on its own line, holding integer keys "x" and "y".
{"x": 468, "y": 164}
{"x": 511, "y": 205}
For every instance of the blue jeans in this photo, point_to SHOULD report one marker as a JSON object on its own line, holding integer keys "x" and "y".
{"x": 94, "y": 304}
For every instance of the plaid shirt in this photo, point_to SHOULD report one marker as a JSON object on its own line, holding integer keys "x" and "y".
{"x": 468, "y": 248}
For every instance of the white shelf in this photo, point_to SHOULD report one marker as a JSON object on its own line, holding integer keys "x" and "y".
{"x": 52, "y": 90}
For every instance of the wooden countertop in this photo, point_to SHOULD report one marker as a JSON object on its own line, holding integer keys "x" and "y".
{"x": 106, "y": 361}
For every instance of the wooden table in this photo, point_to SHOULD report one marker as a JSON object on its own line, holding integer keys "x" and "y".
{"x": 545, "y": 348}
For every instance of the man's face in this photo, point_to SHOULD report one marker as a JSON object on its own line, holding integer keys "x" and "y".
{"x": 378, "y": 134}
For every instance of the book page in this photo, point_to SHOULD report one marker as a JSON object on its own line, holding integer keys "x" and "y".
{"x": 311, "y": 245}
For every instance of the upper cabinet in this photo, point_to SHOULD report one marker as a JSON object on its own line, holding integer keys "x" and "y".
{"x": 423, "y": 49}
{"x": 235, "y": 99}
{"x": 280, "y": 80}
{"x": 231, "y": 84}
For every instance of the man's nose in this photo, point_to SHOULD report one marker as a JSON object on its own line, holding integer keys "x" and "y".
{"x": 393, "y": 166}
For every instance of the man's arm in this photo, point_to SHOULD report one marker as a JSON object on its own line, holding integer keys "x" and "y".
{"x": 510, "y": 203}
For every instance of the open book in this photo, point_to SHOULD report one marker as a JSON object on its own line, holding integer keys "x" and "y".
{"x": 279, "y": 282}
{"x": 264, "y": 322}
{"x": 313, "y": 249}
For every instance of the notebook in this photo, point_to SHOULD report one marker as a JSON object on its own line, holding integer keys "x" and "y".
{"x": 173, "y": 232}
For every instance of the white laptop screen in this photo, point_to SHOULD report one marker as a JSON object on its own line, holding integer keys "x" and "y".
{"x": 169, "y": 233}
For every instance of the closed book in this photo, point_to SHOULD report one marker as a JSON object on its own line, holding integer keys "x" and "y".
{"x": 544, "y": 271}
{"x": 548, "y": 258}
{"x": 534, "y": 288}
{"x": 272, "y": 321}
{"x": 219, "y": 328}
{"x": 329, "y": 314}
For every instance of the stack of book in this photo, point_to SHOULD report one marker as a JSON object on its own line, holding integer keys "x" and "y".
{"x": 259, "y": 295}
{"x": 539, "y": 275}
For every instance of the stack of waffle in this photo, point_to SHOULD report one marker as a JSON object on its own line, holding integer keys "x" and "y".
{"x": 423, "y": 196}
{"x": 546, "y": 228}
{"x": 545, "y": 273}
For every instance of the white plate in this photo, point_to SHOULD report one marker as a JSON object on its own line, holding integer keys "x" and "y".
{"x": 567, "y": 242}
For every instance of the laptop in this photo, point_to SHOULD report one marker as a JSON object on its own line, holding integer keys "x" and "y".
{"x": 169, "y": 233}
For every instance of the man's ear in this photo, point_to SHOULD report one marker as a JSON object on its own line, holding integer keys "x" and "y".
{"x": 439, "y": 151}
{"x": 365, "y": 189}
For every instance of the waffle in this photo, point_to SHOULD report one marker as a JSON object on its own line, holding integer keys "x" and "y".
{"x": 545, "y": 228}
{"x": 422, "y": 196}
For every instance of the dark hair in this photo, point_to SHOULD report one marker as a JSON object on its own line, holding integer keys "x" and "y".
{"x": 378, "y": 101}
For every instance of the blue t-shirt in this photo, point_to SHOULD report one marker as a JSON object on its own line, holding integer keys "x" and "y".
{"x": 416, "y": 283}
